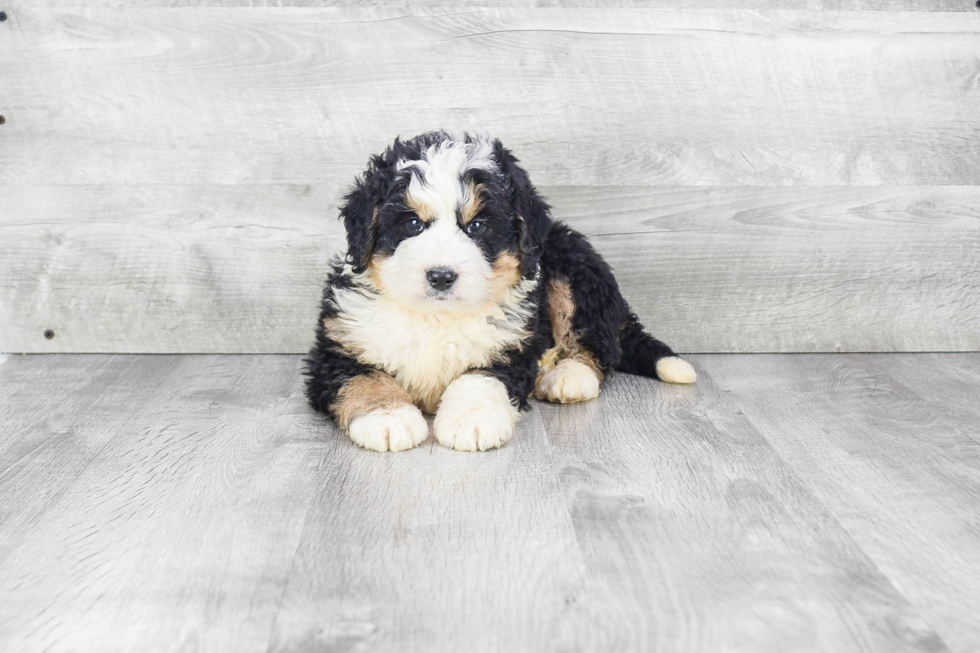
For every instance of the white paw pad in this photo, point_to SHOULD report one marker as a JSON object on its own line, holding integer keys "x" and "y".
{"x": 568, "y": 382}
{"x": 676, "y": 370}
{"x": 475, "y": 414}
{"x": 389, "y": 429}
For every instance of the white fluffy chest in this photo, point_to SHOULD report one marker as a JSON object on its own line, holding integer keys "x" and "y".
{"x": 424, "y": 352}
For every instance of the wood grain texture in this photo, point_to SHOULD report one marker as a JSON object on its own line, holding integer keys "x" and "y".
{"x": 586, "y": 96}
{"x": 239, "y": 269}
{"x": 706, "y": 539}
{"x": 948, "y": 383}
{"x": 807, "y": 269}
{"x": 899, "y": 469}
{"x": 171, "y": 172}
{"x": 150, "y": 503}
{"x": 165, "y": 269}
{"x": 832, "y": 5}
{"x": 44, "y": 448}
{"x": 439, "y": 551}
{"x": 196, "y": 503}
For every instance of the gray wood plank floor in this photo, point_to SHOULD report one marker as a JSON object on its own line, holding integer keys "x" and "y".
{"x": 785, "y": 503}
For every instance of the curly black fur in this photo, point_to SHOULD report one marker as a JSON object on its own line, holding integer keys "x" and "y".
{"x": 328, "y": 368}
{"x": 602, "y": 320}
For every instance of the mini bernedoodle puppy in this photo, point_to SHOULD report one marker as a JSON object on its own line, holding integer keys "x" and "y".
{"x": 460, "y": 297}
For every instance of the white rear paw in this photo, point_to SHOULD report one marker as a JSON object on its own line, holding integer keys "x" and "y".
{"x": 568, "y": 382}
{"x": 676, "y": 370}
{"x": 475, "y": 414}
{"x": 389, "y": 429}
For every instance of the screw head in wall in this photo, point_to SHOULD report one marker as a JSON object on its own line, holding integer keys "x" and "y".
{"x": 49, "y": 334}
{"x": 3, "y": 16}
{"x": 2, "y": 120}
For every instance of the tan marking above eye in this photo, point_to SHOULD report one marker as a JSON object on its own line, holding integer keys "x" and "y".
{"x": 423, "y": 211}
{"x": 473, "y": 203}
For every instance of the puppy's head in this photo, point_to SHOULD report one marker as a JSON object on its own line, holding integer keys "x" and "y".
{"x": 445, "y": 223}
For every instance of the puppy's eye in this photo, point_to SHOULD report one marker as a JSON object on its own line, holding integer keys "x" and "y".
{"x": 415, "y": 225}
{"x": 474, "y": 227}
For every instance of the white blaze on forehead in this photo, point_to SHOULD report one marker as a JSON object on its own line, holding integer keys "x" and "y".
{"x": 436, "y": 192}
{"x": 436, "y": 182}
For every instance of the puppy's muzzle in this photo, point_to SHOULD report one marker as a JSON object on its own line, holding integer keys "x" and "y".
{"x": 441, "y": 278}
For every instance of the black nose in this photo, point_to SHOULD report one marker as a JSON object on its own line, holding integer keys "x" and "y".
{"x": 441, "y": 278}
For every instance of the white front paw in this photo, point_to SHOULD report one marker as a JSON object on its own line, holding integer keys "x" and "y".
{"x": 389, "y": 429}
{"x": 475, "y": 414}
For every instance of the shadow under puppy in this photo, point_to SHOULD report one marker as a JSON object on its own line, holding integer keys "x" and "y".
{"x": 461, "y": 297}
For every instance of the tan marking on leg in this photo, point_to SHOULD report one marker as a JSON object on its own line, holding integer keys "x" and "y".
{"x": 365, "y": 393}
{"x": 547, "y": 362}
{"x": 568, "y": 382}
{"x": 561, "y": 308}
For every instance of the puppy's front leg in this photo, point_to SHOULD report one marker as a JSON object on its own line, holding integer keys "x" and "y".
{"x": 475, "y": 413}
{"x": 478, "y": 410}
{"x": 375, "y": 411}
{"x": 378, "y": 414}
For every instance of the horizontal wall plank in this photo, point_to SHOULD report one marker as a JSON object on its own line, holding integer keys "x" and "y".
{"x": 201, "y": 268}
{"x": 807, "y": 269}
{"x": 585, "y": 96}
{"x": 164, "y": 269}
{"x": 836, "y": 5}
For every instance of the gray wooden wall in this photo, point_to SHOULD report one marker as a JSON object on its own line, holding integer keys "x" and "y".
{"x": 764, "y": 175}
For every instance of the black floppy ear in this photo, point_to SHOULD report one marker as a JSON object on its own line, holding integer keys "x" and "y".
{"x": 360, "y": 215}
{"x": 531, "y": 214}
{"x": 361, "y": 205}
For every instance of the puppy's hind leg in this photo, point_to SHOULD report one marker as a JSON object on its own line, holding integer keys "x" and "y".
{"x": 593, "y": 325}
{"x": 569, "y": 372}
{"x": 568, "y": 382}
